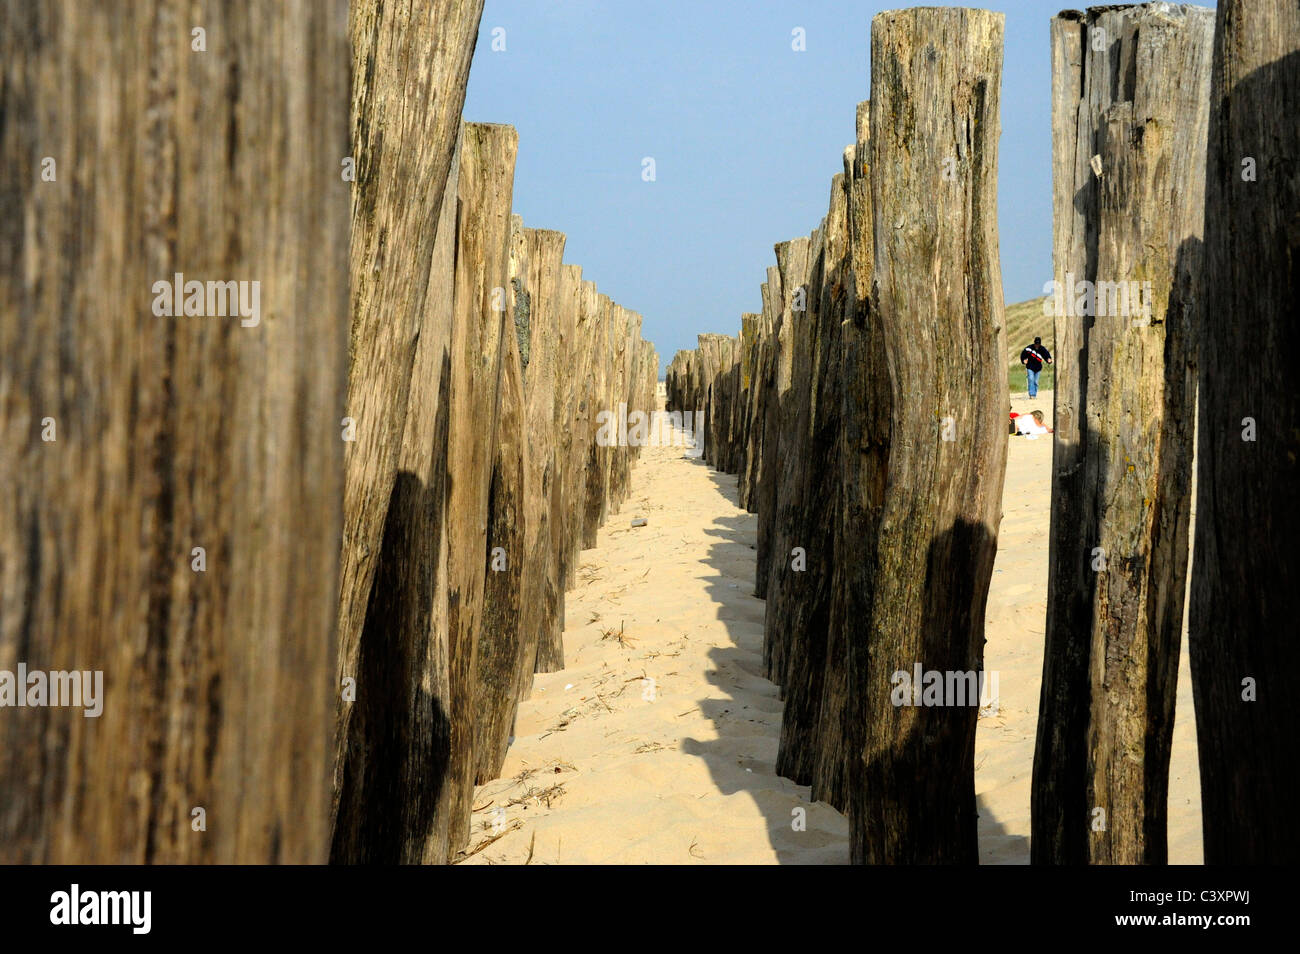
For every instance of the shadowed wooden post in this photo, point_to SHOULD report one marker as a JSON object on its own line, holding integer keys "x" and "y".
{"x": 751, "y": 344}
{"x": 919, "y": 586}
{"x": 784, "y": 481}
{"x": 1127, "y": 245}
{"x": 810, "y": 592}
{"x": 134, "y": 433}
{"x": 862, "y": 363}
{"x": 713, "y": 356}
{"x": 543, "y": 640}
{"x": 1245, "y": 602}
{"x": 627, "y": 333}
{"x": 511, "y": 510}
{"x": 778, "y": 387}
{"x": 404, "y": 128}
{"x": 593, "y": 319}
{"x": 763, "y": 396}
{"x": 487, "y": 163}
{"x": 598, "y": 401}
{"x": 584, "y": 297}
{"x": 395, "y": 801}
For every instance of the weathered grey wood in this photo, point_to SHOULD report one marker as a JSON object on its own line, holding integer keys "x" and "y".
{"x": 396, "y": 791}
{"x": 598, "y": 400}
{"x": 751, "y": 335}
{"x": 584, "y": 297}
{"x": 482, "y": 276}
{"x": 593, "y": 319}
{"x": 777, "y": 385}
{"x": 764, "y": 389}
{"x": 626, "y": 329}
{"x": 404, "y": 128}
{"x": 1123, "y": 450}
{"x": 810, "y": 591}
{"x": 1244, "y": 598}
{"x": 714, "y": 357}
{"x": 835, "y": 737}
{"x": 170, "y": 433}
{"x": 796, "y": 260}
{"x": 543, "y": 587}
{"x": 512, "y": 508}
{"x": 862, "y": 363}
{"x": 918, "y": 591}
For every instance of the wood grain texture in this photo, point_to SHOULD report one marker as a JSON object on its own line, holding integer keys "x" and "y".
{"x": 783, "y": 482}
{"x": 544, "y": 433}
{"x": 778, "y": 387}
{"x": 918, "y": 591}
{"x": 404, "y": 128}
{"x": 172, "y": 432}
{"x": 1244, "y": 599}
{"x": 810, "y": 591}
{"x": 511, "y": 508}
{"x": 1124, "y": 417}
{"x": 862, "y": 360}
{"x": 397, "y": 788}
{"x": 487, "y": 161}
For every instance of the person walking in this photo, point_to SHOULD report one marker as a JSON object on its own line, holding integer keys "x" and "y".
{"x": 1033, "y": 358}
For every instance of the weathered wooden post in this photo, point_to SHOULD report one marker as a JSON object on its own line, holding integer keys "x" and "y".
{"x": 485, "y": 189}
{"x": 1129, "y": 207}
{"x": 921, "y": 581}
{"x": 751, "y": 332}
{"x": 862, "y": 363}
{"x": 396, "y": 788}
{"x": 393, "y": 231}
{"x": 595, "y": 316}
{"x": 763, "y": 396}
{"x": 172, "y": 459}
{"x": 782, "y": 496}
{"x": 710, "y": 356}
{"x": 810, "y": 588}
{"x": 1245, "y": 603}
{"x": 584, "y": 297}
{"x": 597, "y": 401}
{"x": 543, "y": 383}
{"x": 500, "y": 652}
{"x": 794, "y": 253}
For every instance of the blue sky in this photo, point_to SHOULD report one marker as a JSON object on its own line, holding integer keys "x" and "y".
{"x": 745, "y": 132}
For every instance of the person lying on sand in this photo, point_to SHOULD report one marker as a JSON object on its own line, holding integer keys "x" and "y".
{"x": 1029, "y": 425}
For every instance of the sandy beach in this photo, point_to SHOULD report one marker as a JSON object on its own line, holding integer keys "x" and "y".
{"x": 657, "y": 743}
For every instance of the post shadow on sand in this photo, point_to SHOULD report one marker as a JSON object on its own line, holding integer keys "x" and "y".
{"x": 732, "y": 557}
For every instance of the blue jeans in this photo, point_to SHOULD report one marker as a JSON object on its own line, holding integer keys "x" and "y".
{"x": 1033, "y": 382}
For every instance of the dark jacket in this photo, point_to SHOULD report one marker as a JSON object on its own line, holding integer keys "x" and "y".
{"x": 1033, "y": 357}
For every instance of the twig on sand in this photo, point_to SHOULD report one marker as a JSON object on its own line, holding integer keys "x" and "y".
{"x": 532, "y": 843}
{"x": 539, "y": 795}
{"x": 621, "y": 636}
{"x": 513, "y": 826}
